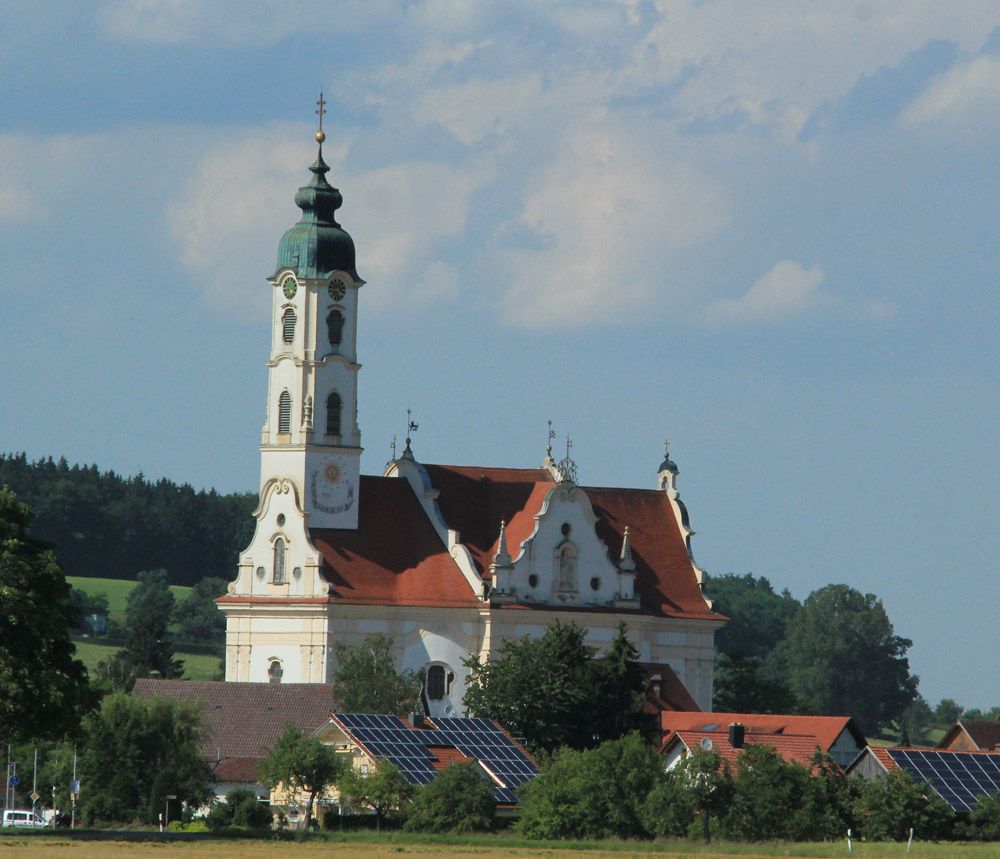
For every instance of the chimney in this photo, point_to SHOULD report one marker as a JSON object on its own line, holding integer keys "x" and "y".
{"x": 656, "y": 684}
{"x": 736, "y": 734}
{"x": 417, "y": 720}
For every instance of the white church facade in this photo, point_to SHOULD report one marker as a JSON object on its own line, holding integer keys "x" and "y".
{"x": 445, "y": 560}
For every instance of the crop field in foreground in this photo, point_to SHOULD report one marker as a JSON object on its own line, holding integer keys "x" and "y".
{"x": 372, "y": 846}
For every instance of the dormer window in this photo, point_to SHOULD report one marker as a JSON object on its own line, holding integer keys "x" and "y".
{"x": 285, "y": 413}
{"x": 333, "y": 406}
{"x": 288, "y": 325}
{"x": 335, "y": 327}
{"x": 274, "y": 672}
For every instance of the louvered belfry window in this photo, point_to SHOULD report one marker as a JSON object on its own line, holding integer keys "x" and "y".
{"x": 285, "y": 412}
{"x": 288, "y": 325}
{"x": 335, "y": 327}
{"x": 333, "y": 414}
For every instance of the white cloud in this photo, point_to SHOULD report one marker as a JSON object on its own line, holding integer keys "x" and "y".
{"x": 173, "y": 22}
{"x": 228, "y": 218}
{"x": 965, "y": 95}
{"x": 35, "y": 170}
{"x": 787, "y": 291}
{"x": 604, "y": 219}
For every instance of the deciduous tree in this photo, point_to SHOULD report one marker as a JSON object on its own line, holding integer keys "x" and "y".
{"x": 130, "y": 745}
{"x": 458, "y": 800}
{"x": 365, "y": 679}
{"x": 843, "y": 654}
{"x": 596, "y": 793}
{"x": 383, "y": 789}
{"x": 301, "y": 763}
{"x": 43, "y": 687}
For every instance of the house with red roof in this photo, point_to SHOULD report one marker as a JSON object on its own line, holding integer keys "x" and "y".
{"x": 446, "y": 560}
{"x": 728, "y": 744}
{"x": 838, "y": 736}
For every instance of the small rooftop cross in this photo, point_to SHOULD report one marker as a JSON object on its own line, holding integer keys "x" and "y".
{"x": 552, "y": 435}
{"x": 321, "y": 135}
{"x": 666, "y": 448}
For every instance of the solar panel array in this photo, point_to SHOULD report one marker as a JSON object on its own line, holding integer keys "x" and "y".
{"x": 958, "y": 778}
{"x": 387, "y": 737}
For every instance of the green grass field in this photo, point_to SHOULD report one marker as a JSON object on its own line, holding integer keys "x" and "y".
{"x": 91, "y": 651}
{"x": 86, "y": 845}
{"x": 117, "y": 591}
{"x": 197, "y": 666}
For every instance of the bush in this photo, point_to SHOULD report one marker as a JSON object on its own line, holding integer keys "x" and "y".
{"x": 240, "y": 809}
{"x": 888, "y": 807}
{"x": 598, "y": 793}
{"x": 458, "y": 800}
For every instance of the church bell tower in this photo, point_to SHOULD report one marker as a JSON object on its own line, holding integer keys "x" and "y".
{"x": 311, "y": 434}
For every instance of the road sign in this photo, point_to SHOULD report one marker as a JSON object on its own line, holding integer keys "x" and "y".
{"x": 15, "y": 780}
{"x": 35, "y": 797}
{"x": 74, "y": 787}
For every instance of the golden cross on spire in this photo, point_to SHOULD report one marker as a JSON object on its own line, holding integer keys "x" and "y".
{"x": 321, "y": 135}
{"x": 666, "y": 448}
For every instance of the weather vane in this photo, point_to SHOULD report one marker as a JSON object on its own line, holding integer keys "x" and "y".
{"x": 320, "y": 135}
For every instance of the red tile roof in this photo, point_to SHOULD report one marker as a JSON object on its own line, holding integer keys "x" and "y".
{"x": 373, "y": 565}
{"x": 673, "y": 695}
{"x": 475, "y": 500}
{"x": 825, "y": 729}
{"x": 798, "y": 748}
{"x": 243, "y": 720}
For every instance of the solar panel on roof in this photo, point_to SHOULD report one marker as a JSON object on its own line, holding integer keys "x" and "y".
{"x": 958, "y": 778}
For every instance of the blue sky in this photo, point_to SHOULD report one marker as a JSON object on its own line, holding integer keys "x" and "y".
{"x": 766, "y": 230}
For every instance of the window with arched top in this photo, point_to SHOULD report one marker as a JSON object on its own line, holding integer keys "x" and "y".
{"x": 274, "y": 671}
{"x": 439, "y": 681}
{"x": 279, "y": 562}
{"x": 288, "y": 325}
{"x": 285, "y": 412}
{"x": 333, "y": 405}
{"x": 335, "y": 327}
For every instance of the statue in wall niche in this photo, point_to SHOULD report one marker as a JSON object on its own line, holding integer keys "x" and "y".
{"x": 567, "y": 569}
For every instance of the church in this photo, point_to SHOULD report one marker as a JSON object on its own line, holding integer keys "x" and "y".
{"x": 446, "y": 560}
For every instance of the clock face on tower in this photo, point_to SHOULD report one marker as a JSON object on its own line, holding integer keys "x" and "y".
{"x": 331, "y": 489}
{"x": 337, "y": 289}
{"x": 289, "y": 287}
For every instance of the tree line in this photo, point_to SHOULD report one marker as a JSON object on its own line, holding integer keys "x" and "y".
{"x": 105, "y": 525}
{"x": 835, "y": 654}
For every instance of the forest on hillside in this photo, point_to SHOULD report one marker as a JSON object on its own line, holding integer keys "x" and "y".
{"x": 105, "y": 525}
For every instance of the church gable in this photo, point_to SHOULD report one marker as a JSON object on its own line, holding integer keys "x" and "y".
{"x": 563, "y": 561}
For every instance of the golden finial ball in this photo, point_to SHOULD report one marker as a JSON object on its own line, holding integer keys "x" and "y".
{"x": 320, "y": 136}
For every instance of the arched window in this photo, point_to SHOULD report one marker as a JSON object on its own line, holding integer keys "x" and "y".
{"x": 333, "y": 414}
{"x": 274, "y": 672}
{"x": 288, "y": 325}
{"x": 435, "y": 683}
{"x": 279, "y": 561}
{"x": 285, "y": 412}
{"x": 335, "y": 326}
